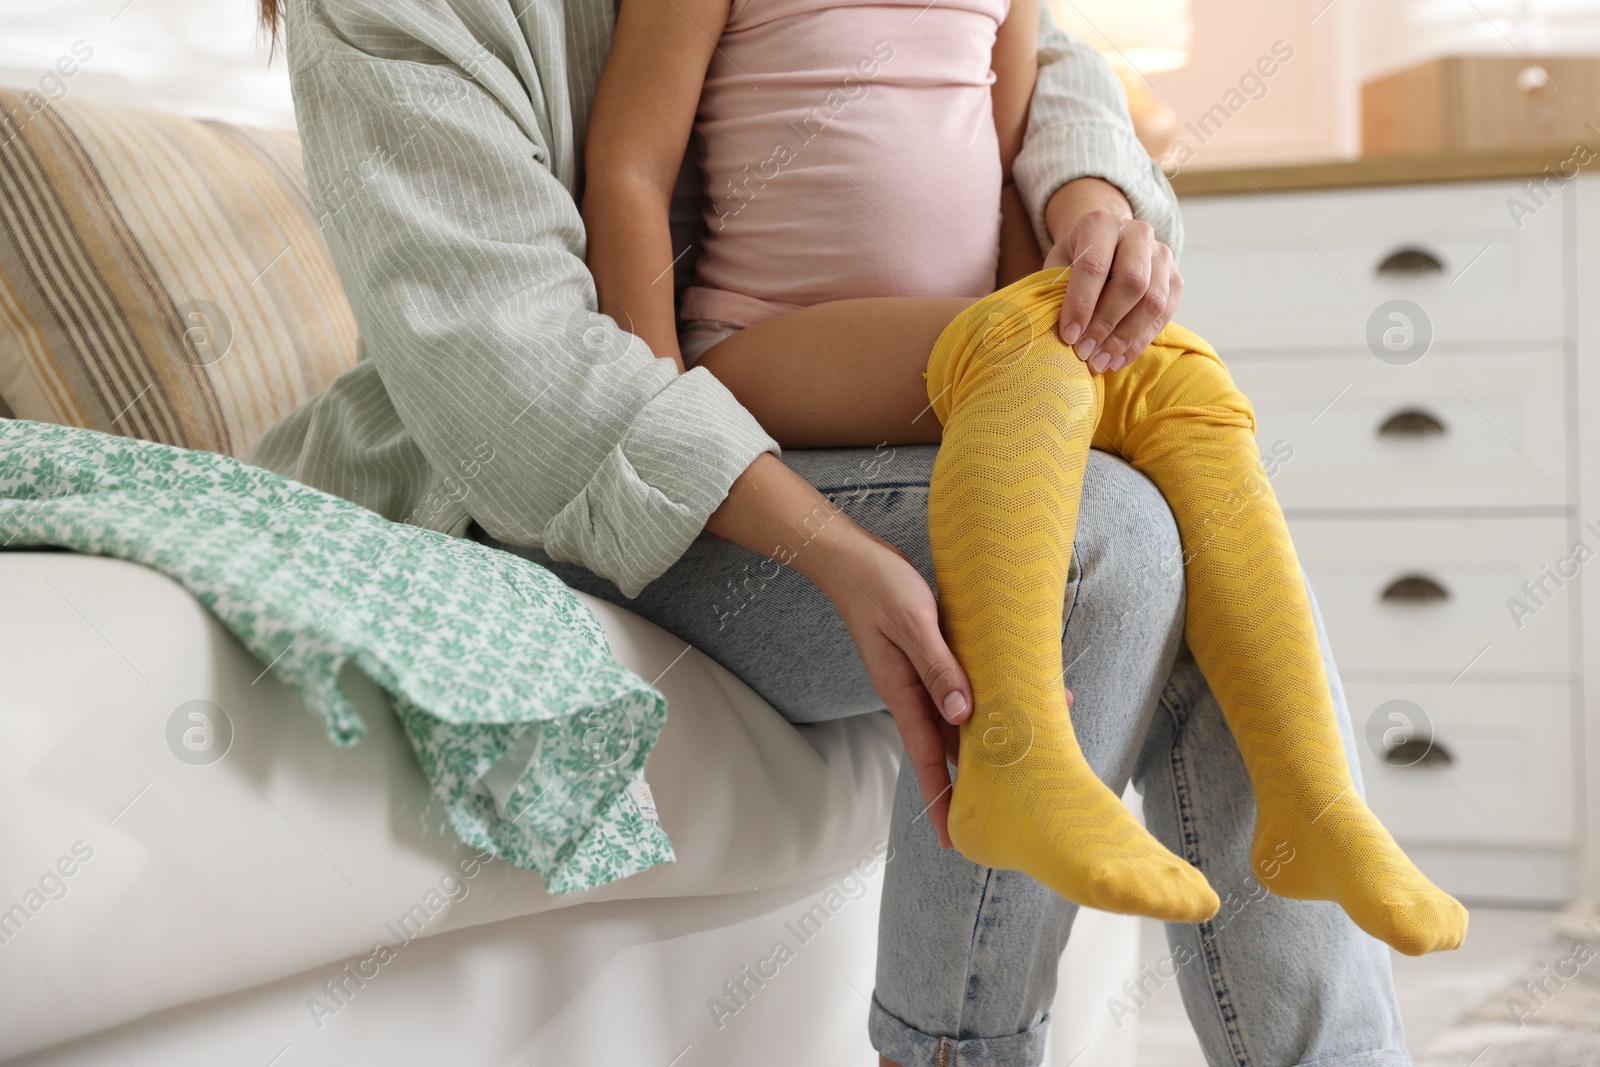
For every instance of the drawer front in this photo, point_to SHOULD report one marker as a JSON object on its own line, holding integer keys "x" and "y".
{"x": 1309, "y": 269}
{"x": 1436, "y": 595}
{"x": 1457, "y": 430}
{"x": 1509, "y": 776}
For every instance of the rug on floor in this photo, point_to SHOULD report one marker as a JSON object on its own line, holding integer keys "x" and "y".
{"x": 1548, "y": 1016}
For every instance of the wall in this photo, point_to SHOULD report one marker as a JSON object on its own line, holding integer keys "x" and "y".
{"x": 1311, "y": 108}
{"x": 199, "y": 57}
{"x": 1300, "y": 112}
{"x": 203, "y": 57}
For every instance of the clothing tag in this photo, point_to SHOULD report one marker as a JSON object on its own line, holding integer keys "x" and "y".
{"x": 639, "y": 790}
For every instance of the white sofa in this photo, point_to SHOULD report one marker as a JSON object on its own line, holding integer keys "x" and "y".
{"x": 208, "y": 907}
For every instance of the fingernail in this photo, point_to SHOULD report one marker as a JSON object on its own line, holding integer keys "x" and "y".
{"x": 954, "y": 705}
{"x": 1072, "y": 332}
{"x": 1100, "y": 361}
{"x": 1084, "y": 350}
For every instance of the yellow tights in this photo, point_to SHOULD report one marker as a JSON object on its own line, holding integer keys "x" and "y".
{"x": 1020, "y": 412}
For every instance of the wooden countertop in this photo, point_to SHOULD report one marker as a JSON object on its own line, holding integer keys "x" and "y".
{"x": 1386, "y": 170}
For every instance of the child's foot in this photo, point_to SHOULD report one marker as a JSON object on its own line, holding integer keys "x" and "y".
{"x": 1336, "y": 849}
{"x": 1025, "y": 799}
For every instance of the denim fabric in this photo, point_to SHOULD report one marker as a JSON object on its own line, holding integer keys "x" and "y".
{"x": 967, "y": 955}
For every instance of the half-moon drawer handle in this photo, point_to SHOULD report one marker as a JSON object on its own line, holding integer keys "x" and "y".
{"x": 1418, "y": 752}
{"x": 1414, "y": 589}
{"x": 1410, "y": 261}
{"x": 1411, "y": 422}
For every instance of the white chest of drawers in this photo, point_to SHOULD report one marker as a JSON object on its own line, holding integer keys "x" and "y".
{"x": 1435, "y": 481}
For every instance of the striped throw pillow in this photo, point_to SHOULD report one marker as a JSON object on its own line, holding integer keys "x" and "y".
{"x": 161, "y": 277}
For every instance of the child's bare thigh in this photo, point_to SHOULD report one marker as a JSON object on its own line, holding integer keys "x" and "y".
{"x": 839, "y": 374}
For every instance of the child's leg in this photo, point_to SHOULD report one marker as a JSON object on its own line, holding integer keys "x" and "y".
{"x": 838, "y": 374}
{"x": 1176, "y": 415}
{"x": 852, "y": 373}
{"x": 1018, "y": 409}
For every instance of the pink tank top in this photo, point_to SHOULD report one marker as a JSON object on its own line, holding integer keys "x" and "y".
{"x": 849, "y": 150}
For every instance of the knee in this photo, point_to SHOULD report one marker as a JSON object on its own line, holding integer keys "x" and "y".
{"x": 1197, "y": 384}
{"x": 1127, "y": 544}
{"x": 1010, "y": 330}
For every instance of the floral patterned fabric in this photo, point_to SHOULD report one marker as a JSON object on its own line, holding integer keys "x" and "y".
{"x": 491, "y": 662}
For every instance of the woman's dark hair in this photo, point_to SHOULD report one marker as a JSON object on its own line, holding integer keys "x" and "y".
{"x": 271, "y": 23}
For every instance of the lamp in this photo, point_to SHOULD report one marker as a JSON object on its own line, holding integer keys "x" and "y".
{"x": 1138, "y": 38}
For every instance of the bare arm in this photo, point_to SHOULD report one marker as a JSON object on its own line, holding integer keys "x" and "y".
{"x": 1125, "y": 284}
{"x": 643, "y": 112}
{"x": 1098, "y": 202}
{"x": 885, "y": 603}
{"x": 1090, "y": 222}
{"x": 1016, "y": 67}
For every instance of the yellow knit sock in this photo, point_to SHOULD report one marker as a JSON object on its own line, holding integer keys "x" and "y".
{"x": 1003, "y": 504}
{"x": 1176, "y": 415}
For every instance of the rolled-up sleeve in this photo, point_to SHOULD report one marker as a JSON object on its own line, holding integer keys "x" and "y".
{"x": 1078, "y": 127}
{"x": 462, "y": 254}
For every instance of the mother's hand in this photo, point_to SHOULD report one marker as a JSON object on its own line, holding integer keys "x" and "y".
{"x": 894, "y": 620}
{"x": 1125, "y": 284}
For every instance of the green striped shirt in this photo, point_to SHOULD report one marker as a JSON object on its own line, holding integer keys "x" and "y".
{"x": 443, "y": 147}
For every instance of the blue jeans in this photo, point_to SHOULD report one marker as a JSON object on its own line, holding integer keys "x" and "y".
{"x": 967, "y": 955}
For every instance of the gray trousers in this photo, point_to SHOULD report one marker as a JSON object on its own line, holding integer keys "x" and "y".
{"x": 968, "y": 955}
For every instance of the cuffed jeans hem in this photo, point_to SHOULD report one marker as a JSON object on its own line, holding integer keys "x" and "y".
{"x": 895, "y": 1039}
{"x": 1388, "y": 1057}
